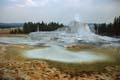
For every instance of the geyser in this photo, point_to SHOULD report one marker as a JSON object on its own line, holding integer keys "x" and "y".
{"x": 74, "y": 32}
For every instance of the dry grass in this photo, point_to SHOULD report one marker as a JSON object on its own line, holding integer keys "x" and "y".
{"x": 20, "y": 67}
{"x": 13, "y": 35}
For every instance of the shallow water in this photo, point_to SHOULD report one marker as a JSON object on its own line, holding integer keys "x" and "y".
{"x": 28, "y": 41}
{"x": 18, "y": 40}
{"x": 56, "y": 53}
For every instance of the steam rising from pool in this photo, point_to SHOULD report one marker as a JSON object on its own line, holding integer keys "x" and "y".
{"x": 56, "y": 53}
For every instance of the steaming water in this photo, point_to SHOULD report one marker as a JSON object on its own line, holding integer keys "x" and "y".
{"x": 56, "y": 53}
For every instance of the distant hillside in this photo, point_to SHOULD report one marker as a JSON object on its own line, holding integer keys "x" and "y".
{"x": 11, "y": 25}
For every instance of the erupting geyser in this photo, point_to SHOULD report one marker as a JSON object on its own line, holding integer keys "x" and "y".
{"x": 75, "y": 31}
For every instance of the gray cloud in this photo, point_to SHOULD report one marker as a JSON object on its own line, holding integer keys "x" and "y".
{"x": 60, "y": 10}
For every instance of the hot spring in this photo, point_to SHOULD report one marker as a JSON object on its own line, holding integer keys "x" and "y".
{"x": 60, "y": 54}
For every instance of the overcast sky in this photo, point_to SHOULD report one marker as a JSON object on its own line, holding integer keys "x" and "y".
{"x": 62, "y": 11}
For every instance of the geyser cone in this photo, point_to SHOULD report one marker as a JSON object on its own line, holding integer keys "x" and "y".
{"x": 83, "y": 32}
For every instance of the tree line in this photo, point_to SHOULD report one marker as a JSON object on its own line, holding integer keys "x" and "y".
{"x": 111, "y": 29}
{"x": 33, "y": 27}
